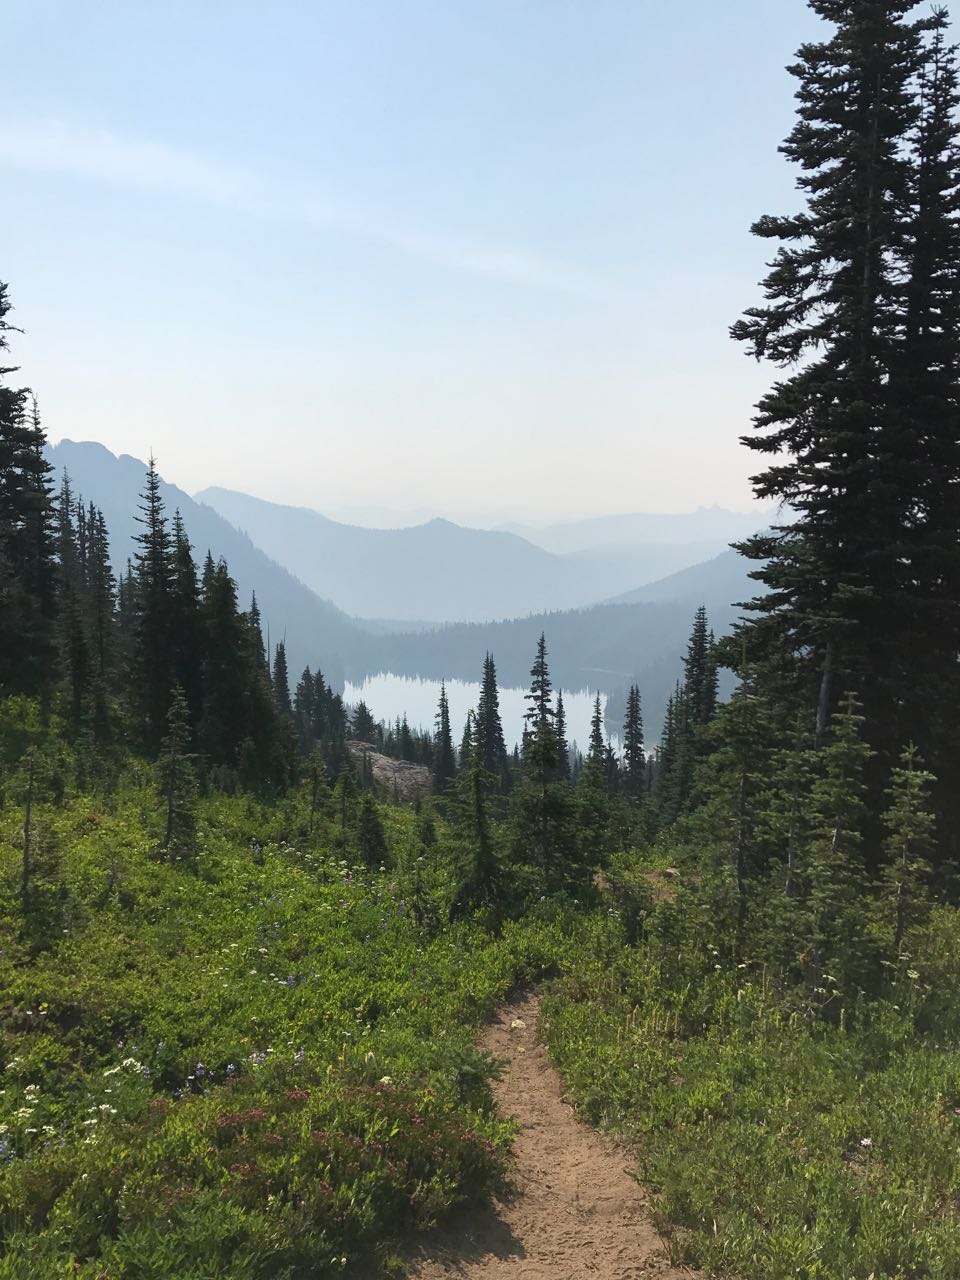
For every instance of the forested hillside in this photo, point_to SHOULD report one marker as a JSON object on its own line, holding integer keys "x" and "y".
{"x": 241, "y": 981}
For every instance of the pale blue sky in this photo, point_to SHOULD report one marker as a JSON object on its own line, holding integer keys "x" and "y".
{"x": 418, "y": 253}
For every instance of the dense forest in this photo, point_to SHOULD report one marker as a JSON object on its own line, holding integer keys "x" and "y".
{"x": 240, "y": 982}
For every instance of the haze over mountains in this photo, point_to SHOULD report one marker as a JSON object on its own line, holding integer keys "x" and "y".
{"x": 438, "y": 572}
{"x": 687, "y": 533}
{"x": 442, "y": 572}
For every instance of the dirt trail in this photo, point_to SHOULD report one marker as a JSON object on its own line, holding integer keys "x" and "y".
{"x": 577, "y": 1213}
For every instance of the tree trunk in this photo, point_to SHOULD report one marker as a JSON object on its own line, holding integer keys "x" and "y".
{"x": 823, "y": 702}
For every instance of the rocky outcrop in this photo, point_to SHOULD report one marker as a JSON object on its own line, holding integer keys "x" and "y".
{"x": 396, "y": 778}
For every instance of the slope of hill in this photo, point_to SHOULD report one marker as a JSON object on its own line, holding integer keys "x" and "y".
{"x": 317, "y": 631}
{"x": 716, "y": 582}
{"x": 440, "y": 571}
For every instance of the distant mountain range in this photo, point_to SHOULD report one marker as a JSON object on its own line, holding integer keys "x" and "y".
{"x": 317, "y": 632}
{"x": 693, "y": 534}
{"x": 640, "y": 635}
{"x": 442, "y": 572}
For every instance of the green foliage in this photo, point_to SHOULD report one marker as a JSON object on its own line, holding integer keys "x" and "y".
{"x": 177, "y": 781}
{"x": 778, "y": 1149}
{"x": 909, "y": 845}
{"x": 241, "y": 1065}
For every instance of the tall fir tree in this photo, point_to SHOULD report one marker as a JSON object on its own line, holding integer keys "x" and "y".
{"x": 491, "y": 748}
{"x": 563, "y": 746}
{"x": 593, "y": 787}
{"x": 468, "y": 740}
{"x": 833, "y": 312}
{"x": 363, "y": 724}
{"x": 922, "y": 636}
{"x": 177, "y": 780}
{"x": 27, "y": 534}
{"x": 700, "y": 673}
{"x": 839, "y": 945}
{"x": 371, "y": 838}
{"x": 225, "y": 715}
{"x": 634, "y": 756}
{"x": 153, "y": 642}
{"x": 445, "y": 762}
{"x": 281, "y": 679}
{"x": 909, "y": 845}
{"x": 186, "y": 627}
{"x": 542, "y": 810}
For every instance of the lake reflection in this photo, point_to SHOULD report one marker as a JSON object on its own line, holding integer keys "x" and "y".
{"x": 389, "y": 696}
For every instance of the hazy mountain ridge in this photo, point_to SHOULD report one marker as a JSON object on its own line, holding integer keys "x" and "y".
{"x": 440, "y": 571}
{"x": 706, "y": 529}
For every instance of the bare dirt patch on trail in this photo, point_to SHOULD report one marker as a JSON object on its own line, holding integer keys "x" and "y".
{"x": 577, "y": 1214}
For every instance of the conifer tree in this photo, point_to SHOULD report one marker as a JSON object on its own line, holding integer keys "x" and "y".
{"x": 27, "y": 566}
{"x": 76, "y": 660}
{"x": 910, "y": 826}
{"x": 921, "y": 637}
{"x": 491, "y": 748}
{"x": 225, "y": 718}
{"x": 66, "y": 537}
{"x": 477, "y": 865}
{"x": 126, "y": 595}
{"x": 256, "y": 631}
{"x": 303, "y": 703}
{"x": 345, "y": 795}
{"x": 674, "y": 773}
{"x": 834, "y": 317}
{"x": 543, "y": 816}
{"x": 281, "y": 680}
{"x": 700, "y": 676}
{"x": 445, "y": 762}
{"x": 177, "y": 781}
{"x": 540, "y": 710}
{"x": 364, "y": 726}
{"x": 153, "y": 653}
{"x": 735, "y": 799}
{"x": 186, "y": 627}
{"x": 634, "y": 757}
{"x": 595, "y": 753}
{"x": 563, "y": 747}
{"x": 408, "y": 750}
{"x": 468, "y": 741}
{"x": 838, "y": 945}
{"x": 101, "y": 600}
{"x": 593, "y": 787}
{"x": 371, "y": 840}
